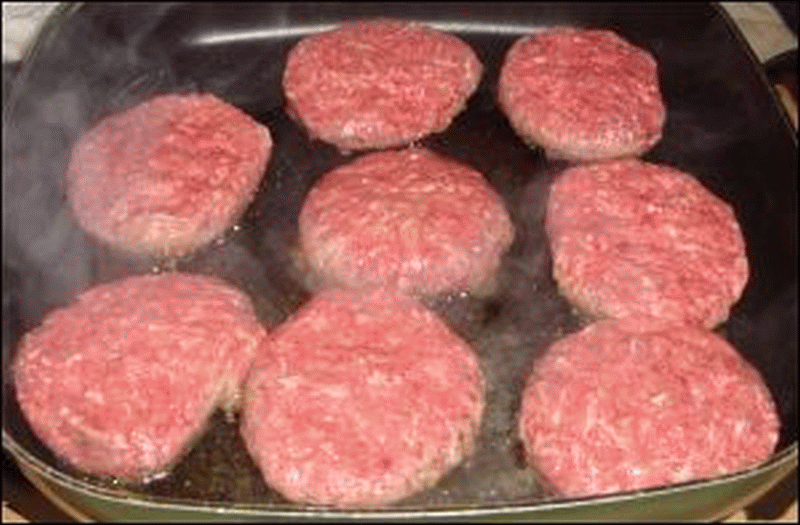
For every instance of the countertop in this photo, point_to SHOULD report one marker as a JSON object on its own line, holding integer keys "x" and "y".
{"x": 766, "y": 32}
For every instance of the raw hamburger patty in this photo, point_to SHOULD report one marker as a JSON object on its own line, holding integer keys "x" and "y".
{"x": 379, "y": 83}
{"x": 632, "y": 238}
{"x": 121, "y": 381}
{"x": 408, "y": 220}
{"x": 360, "y": 400}
{"x": 628, "y": 404}
{"x": 582, "y": 94}
{"x": 168, "y": 175}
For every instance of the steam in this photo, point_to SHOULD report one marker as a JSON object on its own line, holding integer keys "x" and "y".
{"x": 85, "y": 71}
{"x": 38, "y": 232}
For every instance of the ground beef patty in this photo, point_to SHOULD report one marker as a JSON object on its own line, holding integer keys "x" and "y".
{"x": 167, "y": 175}
{"x": 360, "y": 400}
{"x": 407, "y": 220}
{"x": 582, "y": 94}
{"x": 379, "y": 83}
{"x": 633, "y": 238}
{"x": 635, "y": 403}
{"x": 120, "y": 382}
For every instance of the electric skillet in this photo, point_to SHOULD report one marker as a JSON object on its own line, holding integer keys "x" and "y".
{"x": 91, "y": 60}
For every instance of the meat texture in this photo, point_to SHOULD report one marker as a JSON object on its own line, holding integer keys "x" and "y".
{"x": 168, "y": 175}
{"x": 629, "y": 404}
{"x": 633, "y": 238}
{"x": 121, "y": 381}
{"x": 409, "y": 221}
{"x": 379, "y": 83}
{"x": 361, "y": 399}
{"x": 582, "y": 94}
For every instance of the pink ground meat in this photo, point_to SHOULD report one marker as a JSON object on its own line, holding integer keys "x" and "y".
{"x": 406, "y": 220}
{"x": 168, "y": 175}
{"x": 361, "y": 399}
{"x": 582, "y": 94}
{"x": 121, "y": 381}
{"x": 634, "y": 238}
{"x": 629, "y": 404}
{"x": 379, "y": 83}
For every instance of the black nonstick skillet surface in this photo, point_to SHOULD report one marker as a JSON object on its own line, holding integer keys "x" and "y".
{"x": 93, "y": 60}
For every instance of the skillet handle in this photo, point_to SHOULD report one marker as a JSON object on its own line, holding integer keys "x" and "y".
{"x": 781, "y": 71}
